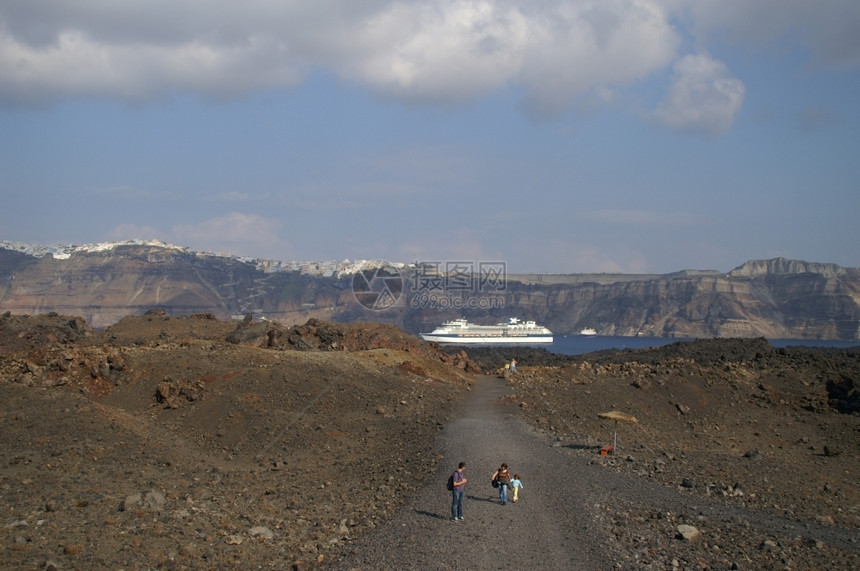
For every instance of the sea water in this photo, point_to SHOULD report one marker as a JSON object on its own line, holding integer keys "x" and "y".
{"x": 579, "y": 344}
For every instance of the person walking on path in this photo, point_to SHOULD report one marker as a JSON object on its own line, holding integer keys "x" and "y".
{"x": 516, "y": 484}
{"x": 503, "y": 478}
{"x": 458, "y": 488}
{"x": 513, "y": 365}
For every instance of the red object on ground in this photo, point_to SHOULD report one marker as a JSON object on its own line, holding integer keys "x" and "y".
{"x": 606, "y": 449}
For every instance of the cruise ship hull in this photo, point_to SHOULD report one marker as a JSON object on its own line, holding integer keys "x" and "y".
{"x": 460, "y": 331}
{"x": 501, "y": 339}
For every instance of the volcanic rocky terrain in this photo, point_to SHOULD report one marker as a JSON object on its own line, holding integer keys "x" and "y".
{"x": 189, "y": 442}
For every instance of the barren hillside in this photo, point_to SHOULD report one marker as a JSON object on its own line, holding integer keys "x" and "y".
{"x": 189, "y": 442}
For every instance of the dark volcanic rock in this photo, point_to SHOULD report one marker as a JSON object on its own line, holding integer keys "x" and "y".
{"x": 225, "y": 454}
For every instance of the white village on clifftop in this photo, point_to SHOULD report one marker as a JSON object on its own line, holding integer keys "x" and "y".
{"x": 323, "y": 269}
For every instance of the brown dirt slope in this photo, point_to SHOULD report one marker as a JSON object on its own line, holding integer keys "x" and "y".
{"x": 188, "y": 442}
{"x": 765, "y": 429}
{"x": 161, "y": 443}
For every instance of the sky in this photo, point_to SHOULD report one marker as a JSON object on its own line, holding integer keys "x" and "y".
{"x": 632, "y": 136}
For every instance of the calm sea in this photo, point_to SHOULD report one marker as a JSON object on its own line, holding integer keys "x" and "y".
{"x": 578, "y": 344}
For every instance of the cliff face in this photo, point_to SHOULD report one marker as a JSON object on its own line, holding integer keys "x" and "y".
{"x": 790, "y": 306}
{"x": 773, "y": 298}
{"x": 103, "y": 287}
{"x": 777, "y": 298}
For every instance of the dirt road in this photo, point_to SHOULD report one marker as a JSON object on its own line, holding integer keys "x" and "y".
{"x": 553, "y": 528}
{"x": 573, "y": 513}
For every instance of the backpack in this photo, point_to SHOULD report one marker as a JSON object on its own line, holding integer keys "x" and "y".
{"x": 450, "y": 485}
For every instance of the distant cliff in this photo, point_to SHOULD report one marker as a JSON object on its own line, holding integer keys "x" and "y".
{"x": 105, "y": 285}
{"x": 776, "y": 298}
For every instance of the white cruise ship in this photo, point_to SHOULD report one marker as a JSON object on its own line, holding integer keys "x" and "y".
{"x": 514, "y": 331}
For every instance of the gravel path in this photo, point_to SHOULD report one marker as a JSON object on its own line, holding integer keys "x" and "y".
{"x": 492, "y": 536}
{"x": 573, "y": 513}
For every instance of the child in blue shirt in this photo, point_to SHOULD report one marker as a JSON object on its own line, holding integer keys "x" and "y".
{"x": 516, "y": 484}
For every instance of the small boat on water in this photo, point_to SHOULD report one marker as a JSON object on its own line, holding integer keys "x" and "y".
{"x": 514, "y": 331}
{"x": 588, "y": 331}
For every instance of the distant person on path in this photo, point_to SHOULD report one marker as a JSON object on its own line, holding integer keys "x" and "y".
{"x": 516, "y": 484}
{"x": 513, "y": 365}
{"x": 504, "y": 479}
{"x": 458, "y": 488}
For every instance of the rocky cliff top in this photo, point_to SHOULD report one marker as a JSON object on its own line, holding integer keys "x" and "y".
{"x": 783, "y": 266}
{"x": 800, "y": 300}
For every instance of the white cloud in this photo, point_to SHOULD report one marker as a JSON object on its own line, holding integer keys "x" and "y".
{"x": 77, "y": 64}
{"x": 419, "y": 51}
{"x": 576, "y": 47}
{"x": 428, "y": 51}
{"x": 703, "y": 96}
{"x": 439, "y": 51}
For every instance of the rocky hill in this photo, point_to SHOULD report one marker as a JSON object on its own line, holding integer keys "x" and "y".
{"x": 140, "y": 445}
{"x": 776, "y": 298}
{"x": 193, "y": 443}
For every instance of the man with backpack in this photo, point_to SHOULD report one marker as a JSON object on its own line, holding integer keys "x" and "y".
{"x": 457, "y": 485}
